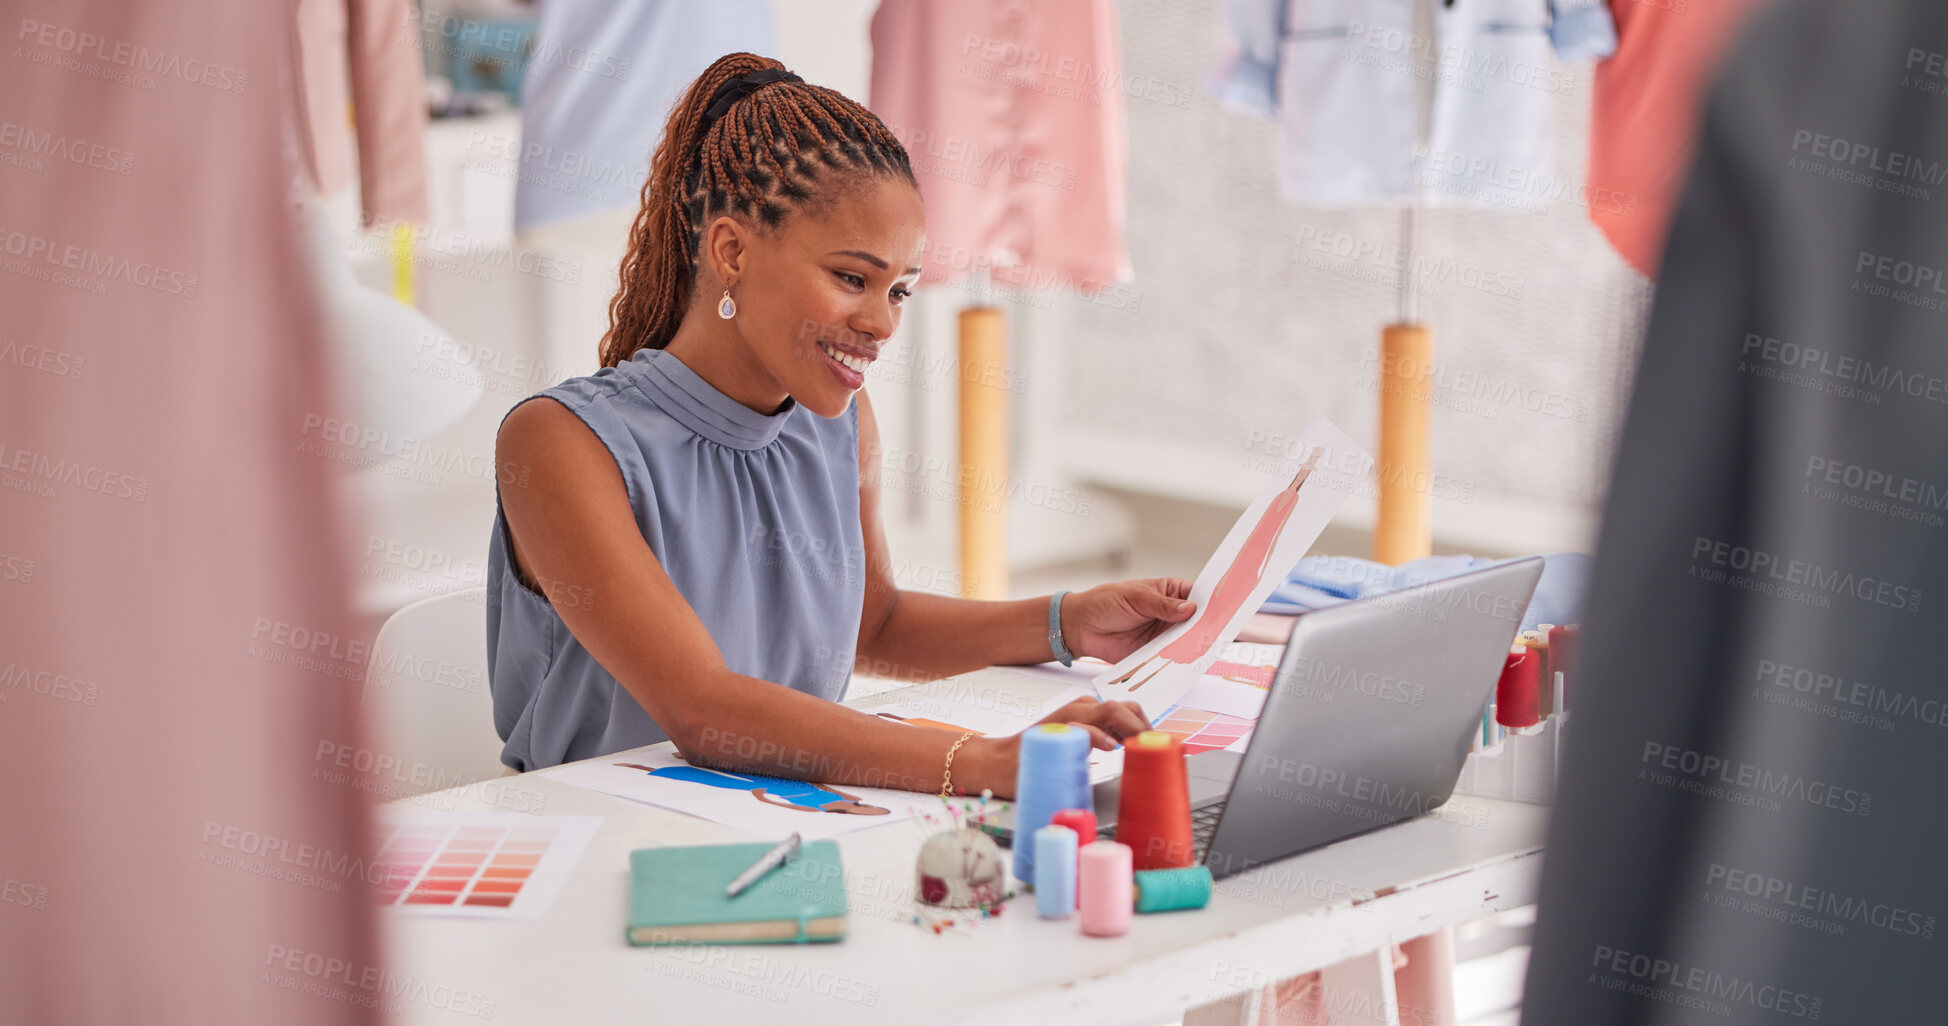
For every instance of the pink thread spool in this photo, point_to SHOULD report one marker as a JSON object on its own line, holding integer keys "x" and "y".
{"x": 1105, "y": 888}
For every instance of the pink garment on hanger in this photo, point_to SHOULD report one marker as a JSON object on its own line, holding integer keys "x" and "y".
{"x": 1645, "y": 114}
{"x": 179, "y": 660}
{"x": 376, "y": 43}
{"x": 1012, "y": 113}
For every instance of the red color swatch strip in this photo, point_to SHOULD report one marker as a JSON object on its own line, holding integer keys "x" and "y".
{"x": 484, "y": 866}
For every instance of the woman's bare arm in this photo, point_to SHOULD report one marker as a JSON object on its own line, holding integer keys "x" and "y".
{"x": 572, "y": 527}
{"x": 915, "y": 635}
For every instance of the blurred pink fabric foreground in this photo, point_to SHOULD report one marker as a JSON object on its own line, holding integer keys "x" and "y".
{"x": 173, "y": 629}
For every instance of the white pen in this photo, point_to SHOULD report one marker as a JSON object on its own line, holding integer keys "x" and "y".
{"x": 772, "y": 859}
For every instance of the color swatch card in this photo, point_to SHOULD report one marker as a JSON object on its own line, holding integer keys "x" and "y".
{"x": 1202, "y": 730}
{"x": 484, "y": 865}
{"x": 1319, "y": 470}
{"x": 757, "y": 803}
{"x": 1248, "y": 662}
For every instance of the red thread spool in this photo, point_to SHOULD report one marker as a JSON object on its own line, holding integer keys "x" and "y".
{"x": 1537, "y": 641}
{"x": 1517, "y": 697}
{"x": 1562, "y": 656}
{"x": 1153, "y": 811}
{"x": 1083, "y": 822}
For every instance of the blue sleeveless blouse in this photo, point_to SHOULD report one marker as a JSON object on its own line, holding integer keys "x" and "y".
{"x": 754, "y": 516}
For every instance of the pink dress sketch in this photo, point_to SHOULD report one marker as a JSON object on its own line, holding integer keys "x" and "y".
{"x": 1240, "y": 578}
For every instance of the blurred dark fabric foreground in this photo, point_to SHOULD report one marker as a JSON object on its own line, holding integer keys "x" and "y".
{"x": 1750, "y": 828}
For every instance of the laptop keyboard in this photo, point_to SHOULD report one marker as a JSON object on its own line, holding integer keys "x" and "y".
{"x": 1203, "y": 826}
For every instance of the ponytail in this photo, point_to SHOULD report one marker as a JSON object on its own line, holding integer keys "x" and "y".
{"x": 760, "y": 159}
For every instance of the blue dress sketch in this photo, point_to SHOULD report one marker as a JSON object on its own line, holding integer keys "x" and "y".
{"x": 781, "y": 791}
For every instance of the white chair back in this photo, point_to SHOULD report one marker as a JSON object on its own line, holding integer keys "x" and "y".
{"x": 426, "y": 696}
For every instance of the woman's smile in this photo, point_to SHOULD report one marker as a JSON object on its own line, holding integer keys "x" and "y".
{"x": 846, "y": 364}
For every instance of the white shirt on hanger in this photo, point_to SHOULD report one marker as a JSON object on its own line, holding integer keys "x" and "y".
{"x": 1345, "y": 78}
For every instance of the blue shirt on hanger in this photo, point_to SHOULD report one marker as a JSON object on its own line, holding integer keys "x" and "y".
{"x": 600, "y": 84}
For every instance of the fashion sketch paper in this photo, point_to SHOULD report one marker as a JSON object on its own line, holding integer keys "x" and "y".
{"x": 1317, "y": 473}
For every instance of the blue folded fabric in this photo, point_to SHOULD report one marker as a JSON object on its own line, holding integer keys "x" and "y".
{"x": 1321, "y": 581}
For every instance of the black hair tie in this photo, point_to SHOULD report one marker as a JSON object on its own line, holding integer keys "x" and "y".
{"x": 744, "y": 85}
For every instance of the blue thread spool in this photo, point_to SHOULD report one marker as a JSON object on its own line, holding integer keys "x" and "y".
{"x": 1055, "y": 853}
{"x": 1165, "y": 890}
{"x": 1053, "y": 775}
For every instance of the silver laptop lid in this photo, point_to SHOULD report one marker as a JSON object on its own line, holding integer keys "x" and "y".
{"x": 1371, "y": 714}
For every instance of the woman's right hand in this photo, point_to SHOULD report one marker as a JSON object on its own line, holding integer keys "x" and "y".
{"x": 1108, "y": 724}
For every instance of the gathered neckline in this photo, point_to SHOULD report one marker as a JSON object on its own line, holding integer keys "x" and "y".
{"x": 701, "y": 407}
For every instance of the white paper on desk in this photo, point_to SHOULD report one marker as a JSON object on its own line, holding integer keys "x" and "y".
{"x": 1159, "y": 673}
{"x": 973, "y": 710}
{"x": 968, "y": 711}
{"x": 976, "y": 703}
{"x": 732, "y": 798}
{"x": 1226, "y": 696}
{"x": 1068, "y": 676}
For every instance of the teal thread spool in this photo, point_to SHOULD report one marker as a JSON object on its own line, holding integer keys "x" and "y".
{"x": 1167, "y": 890}
{"x": 1053, "y": 775}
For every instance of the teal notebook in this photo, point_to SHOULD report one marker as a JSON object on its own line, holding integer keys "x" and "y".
{"x": 676, "y": 896}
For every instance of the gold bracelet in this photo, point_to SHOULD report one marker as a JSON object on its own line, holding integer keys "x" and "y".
{"x": 947, "y": 777}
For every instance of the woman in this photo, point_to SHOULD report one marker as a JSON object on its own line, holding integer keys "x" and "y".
{"x": 703, "y": 512}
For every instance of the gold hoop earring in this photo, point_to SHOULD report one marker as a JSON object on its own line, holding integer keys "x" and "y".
{"x": 727, "y": 307}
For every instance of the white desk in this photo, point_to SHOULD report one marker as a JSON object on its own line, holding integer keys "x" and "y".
{"x": 1474, "y": 857}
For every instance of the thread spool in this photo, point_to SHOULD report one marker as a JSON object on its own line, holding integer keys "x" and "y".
{"x": 1538, "y": 642}
{"x": 1055, "y": 871}
{"x": 1563, "y": 641}
{"x": 1106, "y": 889}
{"x": 1518, "y": 694}
{"x": 1167, "y": 890}
{"x": 1053, "y": 775}
{"x": 1083, "y": 822}
{"x": 1153, "y": 811}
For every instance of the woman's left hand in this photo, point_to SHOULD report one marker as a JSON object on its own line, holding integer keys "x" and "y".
{"x": 1109, "y": 621}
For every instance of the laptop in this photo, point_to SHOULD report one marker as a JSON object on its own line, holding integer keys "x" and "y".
{"x": 1369, "y": 718}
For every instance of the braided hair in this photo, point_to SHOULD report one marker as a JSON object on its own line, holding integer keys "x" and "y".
{"x": 764, "y": 156}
